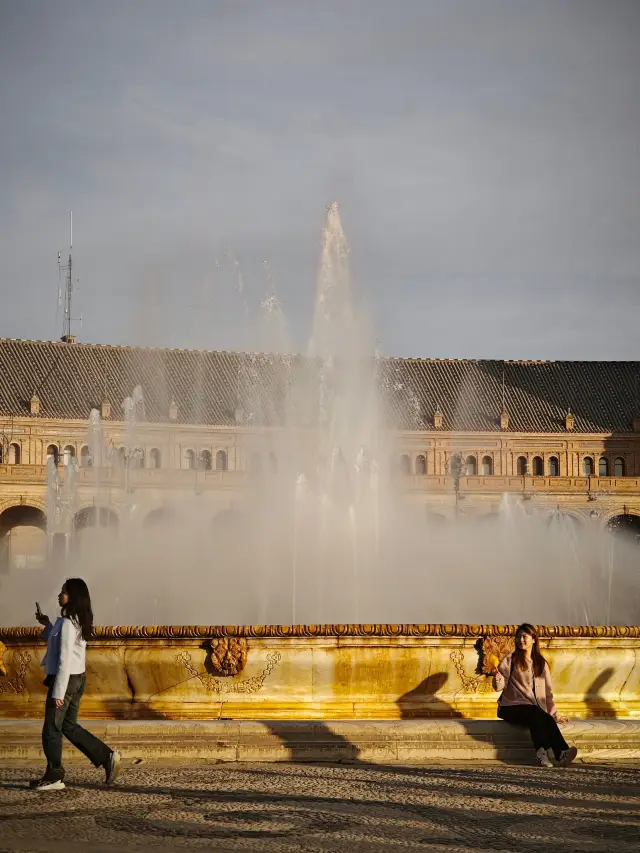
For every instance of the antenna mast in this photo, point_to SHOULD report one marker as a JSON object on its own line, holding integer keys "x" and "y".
{"x": 67, "y": 336}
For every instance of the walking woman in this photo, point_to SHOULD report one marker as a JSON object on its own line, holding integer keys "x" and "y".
{"x": 64, "y": 663}
{"x": 527, "y": 698}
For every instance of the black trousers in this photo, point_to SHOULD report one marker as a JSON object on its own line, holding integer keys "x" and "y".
{"x": 544, "y": 730}
{"x": 64, "y": 721}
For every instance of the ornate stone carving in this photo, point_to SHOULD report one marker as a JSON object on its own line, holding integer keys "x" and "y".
{"x": 490, "y": 650}
{"x": 21, "y": 660}
{"x": 228, "y": 655}
{"x": 3, "y": 669}
{"x": 493, "y": 650}
{"x": 187, "y": 632}
{"x": 221, "y": 685}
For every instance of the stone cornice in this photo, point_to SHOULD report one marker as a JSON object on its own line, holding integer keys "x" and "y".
{"x": 178, "y": 632}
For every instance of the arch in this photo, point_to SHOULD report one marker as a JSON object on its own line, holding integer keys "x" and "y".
{"x": 160, "y": 516}
{"x": 15, "y": 454}
{"x": 487, "y": 466}
{"x": 222, "y": 460}
{"x": 405, "y": 463}
{"x": 205, "y": 460}
{"x": 155, "y": 458}
{"x": 619, "y": 467}
{"x": 85, "y": 457}
{"x": 588, "y": 468}
{"x": 95, "y": 516}
{"x": 471, "y": 466}
{"x": 421, "y": 465}
{"x": 603, "y": 467}
{"x": 625, "y": 524}
{"x": 273, "y": 463}
{"x": 68, "y": 454}
{"x": 23, "y": 537}
{"x": 189, "y": 461}
{"x": 521, "y": 465}
{"x": 554, "y": 466}
{"x": 53, "y": 452}
{"x": 538, "y": 466}
{"x": 22, "y": 515}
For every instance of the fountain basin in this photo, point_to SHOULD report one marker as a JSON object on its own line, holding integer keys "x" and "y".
{"x": 326, "y": 672}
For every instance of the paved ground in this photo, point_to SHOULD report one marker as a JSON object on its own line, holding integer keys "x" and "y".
{"x": 285, "y": 807}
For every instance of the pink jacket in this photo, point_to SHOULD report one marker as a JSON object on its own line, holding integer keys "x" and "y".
{"x": 521, "y": 688}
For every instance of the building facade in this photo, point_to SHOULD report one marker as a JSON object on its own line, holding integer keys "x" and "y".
{"x": 556, "y": 436}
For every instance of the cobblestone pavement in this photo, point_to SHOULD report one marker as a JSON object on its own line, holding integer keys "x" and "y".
{"x": 286, "y": 807}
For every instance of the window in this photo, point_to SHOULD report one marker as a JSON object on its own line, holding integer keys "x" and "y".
{"x": 619, "y": 467}
{"x": 205, "y": 460}
{"x": 85, "y": 457}
{"x": 538, "y": 466}
{"x": 221, "y": 461}
{"x": 189, "y": 460}
{"x": 471, "y": 466}
{"x": 421, "y": 465}
{"x": 587, "y": 466}
{"x": 603, "y": 467}
{"x": 405, "y": 464}
{"x": 487, "y": 466}
{"x": 155, "y": 460}
{"x": 68, "y": 455}
{"x": 14, "y": 454}
{"x": 554, "y": 466}
{"x": 53, "y": 453}
{"x": 273, "y": 463}
{"x": 521, "y": 466}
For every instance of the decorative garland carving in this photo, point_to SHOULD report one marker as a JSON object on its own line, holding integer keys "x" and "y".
{"x": 228, "y": 655}
{"x": 219, "y": 685}
{"x": 490, "y": 650}
{"x": 21, "y": 660}
{"x": 188, "y": 632}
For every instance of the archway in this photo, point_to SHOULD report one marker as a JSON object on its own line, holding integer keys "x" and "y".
{"x": 157, "y": 517}
{"x": 95, "y": 516}
{"x": 23, "y": 538}
{"x": 626, "y": 525}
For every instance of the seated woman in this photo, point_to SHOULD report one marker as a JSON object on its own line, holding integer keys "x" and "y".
{"x": 527, "y": 698}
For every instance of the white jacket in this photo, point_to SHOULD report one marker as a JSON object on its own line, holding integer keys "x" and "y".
{"x": 66, "y": 653}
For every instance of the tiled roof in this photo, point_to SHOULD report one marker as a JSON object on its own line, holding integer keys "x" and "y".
{"x": 71, "y": 379}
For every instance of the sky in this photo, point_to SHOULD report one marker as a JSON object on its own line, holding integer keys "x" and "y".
{"x": 484, "y": 154}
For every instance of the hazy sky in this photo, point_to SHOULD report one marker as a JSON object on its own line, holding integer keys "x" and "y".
{"x": 485, "y": 155}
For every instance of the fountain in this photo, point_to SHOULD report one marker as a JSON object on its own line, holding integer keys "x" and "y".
{"x": 333, "y": 573}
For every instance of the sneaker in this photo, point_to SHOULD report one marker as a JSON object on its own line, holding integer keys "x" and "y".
{"x": 112, "y": 767}
{"x": 47, "y": 785}
{"x": 543, "y": 758}
{"x": 567, "y": 756}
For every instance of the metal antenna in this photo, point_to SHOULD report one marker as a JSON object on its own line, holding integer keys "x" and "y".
{"x": 67, "y": 336}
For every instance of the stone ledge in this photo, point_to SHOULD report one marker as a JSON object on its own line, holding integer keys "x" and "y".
{"x": 378, "y": 742}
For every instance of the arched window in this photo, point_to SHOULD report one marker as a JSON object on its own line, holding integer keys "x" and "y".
{"x": 554, "y": 466}
{"x": 205, "y": 460}
{"x": 538, "y": 466}
{"x": 53, "y": 453}
{"x": 471, "y": 466}
{"x": 68, "y": 454}
{"x": 221, "y": 461}
{"x": 587, "y": 466}
{"x": 273, "y": 463}
{"x": 155, "y": 459}
{"x": 603, "y": 467}
{"x": 189, "y": 460}
{"x": 421, "y": 465}
{"x": 521, "y": 465}
{"x": 619, "y": 467}
{"x": 255, "y": 462}
{"x": 14, "y": 454}
{"x": 405, "y": 464}
{"x": 487, "y": 466}
{"x": 85, "y": 457}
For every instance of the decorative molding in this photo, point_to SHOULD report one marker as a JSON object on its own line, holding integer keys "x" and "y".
{"x": 207, "y": 632}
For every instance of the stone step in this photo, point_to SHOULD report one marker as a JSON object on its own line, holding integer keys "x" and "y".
{"x": 371, "y": 741}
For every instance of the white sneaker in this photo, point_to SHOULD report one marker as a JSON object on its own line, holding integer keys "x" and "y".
{"x": 567, "y": 756}
{"x": 112, "y": 767}
{"x": 45, "y": 785}
{"x": 543, "y": 758}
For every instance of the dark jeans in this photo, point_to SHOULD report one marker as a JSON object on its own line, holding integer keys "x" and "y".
{"x": 543, "y": 728}
{"x": 64, "y": 721}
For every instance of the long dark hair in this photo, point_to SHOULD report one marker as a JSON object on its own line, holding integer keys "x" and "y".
{"x": 539, "y": 661}
{"x": 78, "y": 607}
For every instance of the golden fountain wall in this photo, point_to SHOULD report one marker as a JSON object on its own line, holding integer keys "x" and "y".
{"x": 322, "y": 671}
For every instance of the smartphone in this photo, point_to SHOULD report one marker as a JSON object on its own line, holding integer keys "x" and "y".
{"x": 38, "y": 611}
